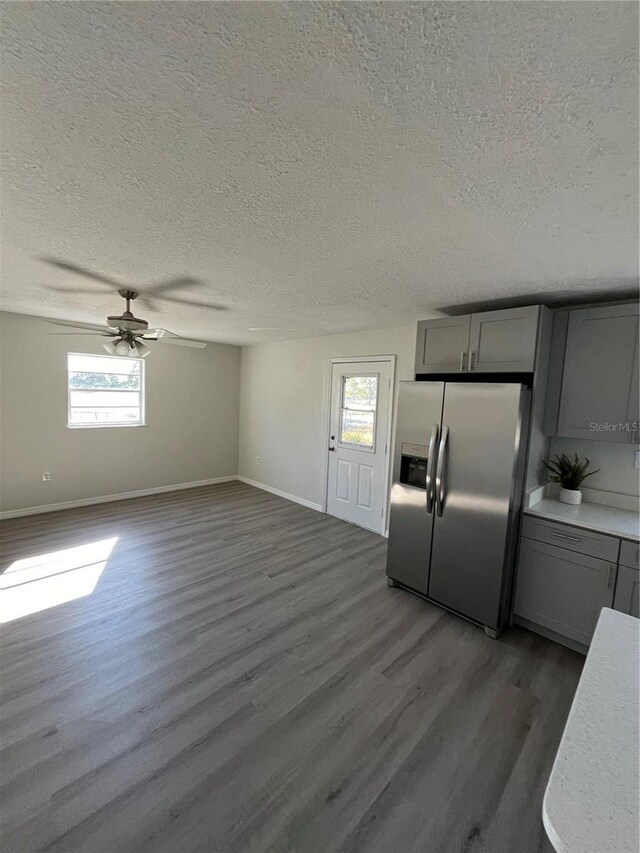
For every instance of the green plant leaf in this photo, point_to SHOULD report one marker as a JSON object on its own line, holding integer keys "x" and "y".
{"x": 570, "y": 473}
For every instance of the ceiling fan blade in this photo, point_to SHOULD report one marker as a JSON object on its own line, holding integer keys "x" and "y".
{"x": 172, "y": 284}
{"x": 194, "y": 303}
{"x": 92, "y": 327}
{"x": 160, "y": 333}
{"x": 181, "y": 342}
{"x": 83, "y": 334}
{"x": 76, "y": 268}
{"x": 76, "y": 290}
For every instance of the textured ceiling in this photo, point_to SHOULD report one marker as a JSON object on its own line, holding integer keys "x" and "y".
{"x": 319, "y": 166}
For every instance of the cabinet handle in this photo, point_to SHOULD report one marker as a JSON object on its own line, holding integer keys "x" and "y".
{"x": 566, "y": 536}
{"x": 612, "y": 569}
{"x": 462, "y": 355}
{"x": 472, "y": 357}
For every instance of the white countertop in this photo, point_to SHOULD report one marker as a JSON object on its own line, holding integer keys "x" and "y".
{"x": 598, "y": 517}
{"x": 591, "y": 804}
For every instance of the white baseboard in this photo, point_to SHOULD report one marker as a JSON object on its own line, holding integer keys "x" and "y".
{"x": 281, "y": 494}
{"x": 123, "y": 496}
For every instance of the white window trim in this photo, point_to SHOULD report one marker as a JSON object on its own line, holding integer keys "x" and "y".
{"x": 123, "y": 425}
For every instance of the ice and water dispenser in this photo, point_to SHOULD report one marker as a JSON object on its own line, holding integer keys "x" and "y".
{"x": 413, "y": 465}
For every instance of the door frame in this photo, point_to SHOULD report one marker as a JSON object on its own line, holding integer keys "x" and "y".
{"x": 365, "y": 359}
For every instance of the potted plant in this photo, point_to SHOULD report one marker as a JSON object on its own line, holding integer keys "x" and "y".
{"x": 569, "y": 473}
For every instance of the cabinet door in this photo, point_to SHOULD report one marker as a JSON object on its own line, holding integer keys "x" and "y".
{"x": 627, "y": 598}
{"x": 562, "y": 591}
{"x": 442, "y": 345}
{"x": 599, "y": 399}
{"x": 504, "y": 340}
{"x": 630, "y": 554}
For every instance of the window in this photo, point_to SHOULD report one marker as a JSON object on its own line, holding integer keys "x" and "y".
{"x": 105, "y": 391}
{"x": 358, "y": 411}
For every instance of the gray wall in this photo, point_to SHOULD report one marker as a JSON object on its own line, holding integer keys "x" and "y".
{"x": 194, "y": 430}
{"x": 283, "y": 404}
{"x": 616, "y": 462}
{"x": 283, "y": 400}
{"x": 192, "y": 400}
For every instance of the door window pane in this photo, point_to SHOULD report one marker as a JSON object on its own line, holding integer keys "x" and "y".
{"x": 358, "y": 411}
{"x": 360, "y": 392}
{"x": 357, "y": 428}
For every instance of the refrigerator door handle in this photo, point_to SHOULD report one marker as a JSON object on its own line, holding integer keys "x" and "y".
{"x": 433, "y": 441}
{"x": 440, "y": 471}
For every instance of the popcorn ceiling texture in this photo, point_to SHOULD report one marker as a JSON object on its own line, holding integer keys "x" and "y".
{"x": 321, "y": 166}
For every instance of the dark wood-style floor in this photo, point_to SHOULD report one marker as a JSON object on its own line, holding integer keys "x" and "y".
{"x": 242, "y": 679}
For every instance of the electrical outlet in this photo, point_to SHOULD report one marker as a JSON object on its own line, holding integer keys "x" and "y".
{"x": 637, "y": 464}
{"x": 46, "y": 476}
{"x": 257, "y": 460}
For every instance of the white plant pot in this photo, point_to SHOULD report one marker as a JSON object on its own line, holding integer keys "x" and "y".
{"x": 570, "y": 496}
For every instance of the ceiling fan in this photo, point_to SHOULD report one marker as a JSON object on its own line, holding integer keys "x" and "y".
{"x": 128, "y": 333}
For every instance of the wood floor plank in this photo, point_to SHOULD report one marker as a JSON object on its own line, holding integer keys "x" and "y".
{"x": 242, "y": 679}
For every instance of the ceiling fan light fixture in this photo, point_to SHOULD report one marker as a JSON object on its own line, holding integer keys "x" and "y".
{"x": 141, "y": 350}
{"x": 110, "y": 347}
{"x": 123, "y": 347}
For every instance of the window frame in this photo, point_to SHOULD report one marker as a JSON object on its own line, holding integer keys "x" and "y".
{"x": 140, "y": 423}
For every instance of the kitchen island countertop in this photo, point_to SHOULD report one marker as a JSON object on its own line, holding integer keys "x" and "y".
{"x": 592, "y": 800}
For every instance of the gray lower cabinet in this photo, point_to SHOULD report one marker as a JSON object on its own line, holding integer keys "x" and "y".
{"x": 627, "y": 597}
{"x": 562, "y": 591}
{"x": 630, "y": 554}
{"x": 487, "y": 342}
{"x": 572, "y": 538}
{"x": 599, "y": 396}
{"x": 504, "y": 341}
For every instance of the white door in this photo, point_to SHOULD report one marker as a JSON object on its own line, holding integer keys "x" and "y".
{"x": 358, "y": 444}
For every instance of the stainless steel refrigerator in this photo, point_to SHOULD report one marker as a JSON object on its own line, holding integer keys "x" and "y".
{"x": 457, "y": 488}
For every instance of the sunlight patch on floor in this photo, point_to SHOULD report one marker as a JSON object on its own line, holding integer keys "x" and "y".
{"x": 38, "y": 583}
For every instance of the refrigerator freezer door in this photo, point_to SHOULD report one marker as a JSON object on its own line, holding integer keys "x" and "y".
{"x": 479, "y": 464}
{"x": 412, "y": 510}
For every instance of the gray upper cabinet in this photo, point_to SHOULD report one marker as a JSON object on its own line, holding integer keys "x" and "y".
{"x": 562, "y": 591}
{"x": 599, "y": 398}
{"x": 489, "y": 342}
{"x": 442, "y": 345}
{"x": 503, "y": 341}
